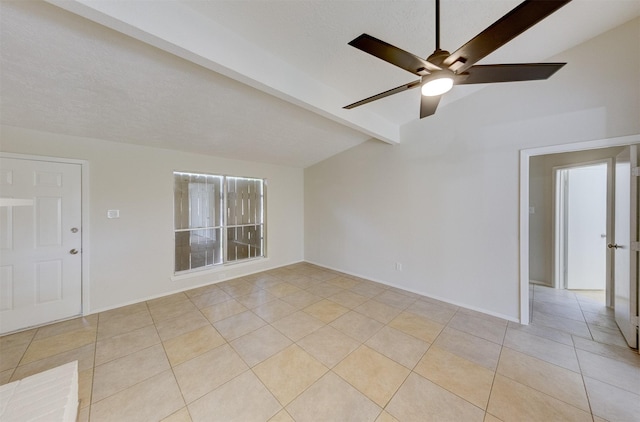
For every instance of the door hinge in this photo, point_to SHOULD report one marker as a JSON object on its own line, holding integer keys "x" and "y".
{"x": 635, "y": 246}
{"x": 635, "y": 171}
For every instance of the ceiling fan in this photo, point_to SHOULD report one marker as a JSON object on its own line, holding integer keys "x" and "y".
{"x": 441, "y": 70}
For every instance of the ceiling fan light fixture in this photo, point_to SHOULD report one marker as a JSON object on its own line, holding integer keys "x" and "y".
{"x": 437, "y": 84}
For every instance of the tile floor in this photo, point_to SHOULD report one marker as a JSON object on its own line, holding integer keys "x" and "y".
{"x": 302, "y": 343}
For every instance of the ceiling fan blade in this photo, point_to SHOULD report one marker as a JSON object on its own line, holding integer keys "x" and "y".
{"x": 514, "y": 23}
{"x": 428, "y": 105}
{"x": 483, "y": 74}
{"x": 401, "y": 88}
{"x": 393, "y": 55}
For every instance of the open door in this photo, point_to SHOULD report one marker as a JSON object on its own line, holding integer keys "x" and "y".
{"x": 626, "y": 244}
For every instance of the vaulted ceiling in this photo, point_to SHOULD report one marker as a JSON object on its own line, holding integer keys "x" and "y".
{"x": 254, "y": 80}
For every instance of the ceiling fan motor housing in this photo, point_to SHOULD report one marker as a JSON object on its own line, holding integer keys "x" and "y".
{"x": 438, "y": 56}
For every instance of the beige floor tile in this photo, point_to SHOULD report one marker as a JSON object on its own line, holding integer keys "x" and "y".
{"x": 298, "y": 325}
{"x": 121, "y": 373}
{"x": 612, "y": 403}
{"x": 302, "y": 282}
{"x": 475, "y": 349}
{"x": 199, "y": 291}
{"x": 242, "y": 399}
{"x": 460, "y": 376}
{"x": 194, "y": 343}
{"x": 357, "y": 326}
{"x": 386, "y": 417}
{"x": 488, "y": 417}
{"x": 550, "y": 379}
{"x": 367, "y": 289}
{"x": 558, "y": 310}
{"x": 172, "y": 310}
{"x": 328, "y": 345}
{"x": 348, "y": 299}
{"x": 5, "y": 376}
{"x": 208, "y": 371}
{"x": 125, "y": 310}
{"x": 124, "y": 344}
{"x": 512, "y": 401}
{"x": 419, "y": 397}
{"x": 83, "y": 323}
{"x": 260, "y": 344}
{"x": 402, "y": 348}
{"x": 544, "y": 332}
{"x": 10, "y": 356}
{"x": 333, "y": 399}
{"x": 85, "y": 381}
{"x": 378, "y": 311}
{"x": 83, "y": 415}
{"x": 60, "y": 343}
{"x": 17, "y": 339}
{"x": 542, "y": 348}
{"x": 326, "y": 310}
{"x": 84, "y": 355}
{"x": 611, "y": 371}
{"x": 395, "y": 299}
{"x": 181, "y": 415}
{"x": 274, "y": 310}
{"x": 607, "y": 335}
{"x": 373, "y": 374}
{"x": 236, "y": 289}
{"x": 624, "y": 354}
{"x": 417, "y": 326}
{"x": 239, "y": 325}
{"x": 436, "y": 312}
{"x": 302, "y": 299}
{"x": 210, "y": 299}
{"x": 343, "y": 282}
{"x": 166, "y": 301}
{"x": 223, "y": 310}
{"x": 479, "y": 327}
{"x": 188, "y": 321}
{"x": 571, "y": 326}
{"x": 289, "y": 372}
{"x": 282, "y": 289}
{"x": 282, "y": 416}
{"x": 255, "y": 299}
{"x": 324, "y": 289}
{"x": 152, "y": 399}
{"x": 607, "y": 321}
{"x": 124, "y": 323}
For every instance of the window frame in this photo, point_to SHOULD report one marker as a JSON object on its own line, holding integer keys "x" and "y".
{"x": 225, "y": 225}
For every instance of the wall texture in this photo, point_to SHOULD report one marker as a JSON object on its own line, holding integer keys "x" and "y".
{"x": 445, "y": 202}
{"x": 131, "y": 258}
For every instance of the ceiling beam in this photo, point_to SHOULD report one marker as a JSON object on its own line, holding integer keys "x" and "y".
{"x": 182, "y": 31}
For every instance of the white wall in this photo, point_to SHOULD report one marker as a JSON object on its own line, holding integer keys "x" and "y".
{"x": 445, "y": 202}
{"x": 541, "y": 198}
{"x": 131, "y": 258}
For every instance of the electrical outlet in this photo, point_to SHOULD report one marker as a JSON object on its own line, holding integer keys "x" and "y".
{"x": 398, "y": 266}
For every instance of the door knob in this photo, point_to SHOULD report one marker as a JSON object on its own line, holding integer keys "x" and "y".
{"x": 73, "y": 251}
{"x": 613, "y": 246}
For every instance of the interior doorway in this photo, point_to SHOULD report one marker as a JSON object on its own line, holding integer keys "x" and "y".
{"x": 580, "y": 225}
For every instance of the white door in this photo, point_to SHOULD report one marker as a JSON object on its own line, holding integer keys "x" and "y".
{"x": 586, "y": 222}
{"x": 40, "y": 242}
{"x": 625, "y": 274}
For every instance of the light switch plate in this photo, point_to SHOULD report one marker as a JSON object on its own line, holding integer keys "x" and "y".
{"x": 113, "y": 213}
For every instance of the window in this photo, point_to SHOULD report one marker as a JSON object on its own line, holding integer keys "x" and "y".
{"x": 218, "y": 219}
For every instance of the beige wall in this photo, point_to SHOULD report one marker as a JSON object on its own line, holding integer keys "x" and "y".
{"x": 131, "y": 258}
{"x": 445, "y": 202}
